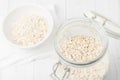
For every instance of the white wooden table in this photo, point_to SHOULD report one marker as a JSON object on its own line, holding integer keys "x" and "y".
{"x": 40, "y": 69}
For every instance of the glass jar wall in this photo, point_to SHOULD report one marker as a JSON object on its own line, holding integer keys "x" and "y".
{"x": 90, "y": 61}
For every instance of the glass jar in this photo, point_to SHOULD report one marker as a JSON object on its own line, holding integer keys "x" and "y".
{"x": 90, "y": 67}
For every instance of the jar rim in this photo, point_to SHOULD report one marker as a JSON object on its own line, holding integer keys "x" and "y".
{"x": 69, "y": 21}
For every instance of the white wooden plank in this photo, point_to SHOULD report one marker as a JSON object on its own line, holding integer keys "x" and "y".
{"x": 43, "y": 69}
{"x": 114, "y": 10}
{"x": 76, "y": 8}
{"x": 111, "y": 8}
{"x": 20, "y": 73}
{"x": 29, "y": 71}
{"x": 0, "y": 75}
{"x": 106, "y": 7}
{"x": 59, "y": 7}
{"x": 15, "y": 3}
{"x": 9, "y": 74}
{"x": 102, "y": 6}
{"x": 113, "y": 51}
{"x": 3, "y": 12}
{"x": 3, "y": 7}
{"x": 25, "y": 72}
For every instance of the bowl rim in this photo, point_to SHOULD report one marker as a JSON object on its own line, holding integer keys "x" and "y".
{"x": 38, "y": 43}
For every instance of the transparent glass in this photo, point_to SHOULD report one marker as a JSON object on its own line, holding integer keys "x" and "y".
{"x": 67, "y": 69}
{"x": 95, "y": 25}
{"x": 80, "y": 27}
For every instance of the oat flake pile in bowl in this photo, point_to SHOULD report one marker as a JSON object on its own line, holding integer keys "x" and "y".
{"x": 29, "y": 30}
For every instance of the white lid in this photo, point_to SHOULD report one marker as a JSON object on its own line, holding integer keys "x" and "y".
{"x": 111, "y": 27}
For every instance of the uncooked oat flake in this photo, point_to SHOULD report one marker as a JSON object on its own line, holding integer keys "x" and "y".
{"x": 29, "y": 30}
{"x": 94, "y": 72}
{"x": 81, "y": 48}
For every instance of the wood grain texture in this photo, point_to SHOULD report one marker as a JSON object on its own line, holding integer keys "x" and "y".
{"x": 65, "y": 9}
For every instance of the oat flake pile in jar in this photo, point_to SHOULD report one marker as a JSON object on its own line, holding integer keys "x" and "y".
{"x": 81, "y": 45}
